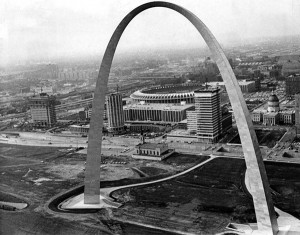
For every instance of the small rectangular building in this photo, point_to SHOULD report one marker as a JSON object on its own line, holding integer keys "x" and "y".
{"x": 79, "y": 129}
{"x": 152, "y": 151}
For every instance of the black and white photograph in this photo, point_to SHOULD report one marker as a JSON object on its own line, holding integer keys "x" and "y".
{"x": 141, "y": 117}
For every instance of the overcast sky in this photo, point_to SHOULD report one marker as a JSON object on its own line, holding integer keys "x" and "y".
{"x": 49, "y": 29}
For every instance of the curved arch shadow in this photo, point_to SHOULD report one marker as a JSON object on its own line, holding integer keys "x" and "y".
{"x": 263, "y": 204}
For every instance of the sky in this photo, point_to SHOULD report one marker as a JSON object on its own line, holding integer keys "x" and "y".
{"x": 51, "y": 29}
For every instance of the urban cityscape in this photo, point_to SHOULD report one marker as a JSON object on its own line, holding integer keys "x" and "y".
{"x": 172, "y": 153}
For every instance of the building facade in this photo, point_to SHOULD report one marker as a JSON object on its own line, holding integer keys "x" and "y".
{"x": 115, "y": 113}
{"x": 192, "y": 121}
{"x": 256, "y": 116}
{"x": 297, "y": 111}
{"x": 292, "y": 85}
{"x": 80, "y": 129}
{"x": 156, "y": 112}
{"x": 287, "y": 117}
{"x": 209, "y": 116}
{"x": 152, "y": 151}
{"x": 271, "y": 119}
{"x": 42, "y": 110}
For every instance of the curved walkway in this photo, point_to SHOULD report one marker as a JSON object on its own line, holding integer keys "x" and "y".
{"x": 105, "y": 199}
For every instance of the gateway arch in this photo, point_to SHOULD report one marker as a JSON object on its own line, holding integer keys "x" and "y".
{"x": 264, "y": 209}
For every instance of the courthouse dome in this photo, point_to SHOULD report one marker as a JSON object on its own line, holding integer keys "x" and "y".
{"x": 273, "y": 98}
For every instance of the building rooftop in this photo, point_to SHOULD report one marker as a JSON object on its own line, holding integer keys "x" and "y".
{"x": 273, "y": 98}
{"x": 271, "y": 114}
{"x": 245, "y": 82}
{"x": 41, "y": 96}
{"x": 154, "y": 106}
{"x": 152, "y": 146}
{"x": 241, "y": 82}
{"x": 81, "y": 126}
{"x": 287, "y": 111}
{"x": 209, "y": 88}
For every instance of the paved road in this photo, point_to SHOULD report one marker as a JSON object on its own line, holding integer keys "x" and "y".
{"x": 107, "y": 191}
{"x": 107, "y": 201}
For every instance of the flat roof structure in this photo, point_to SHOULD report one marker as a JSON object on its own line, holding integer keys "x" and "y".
{"x": 169, "y": 107}
{"x": 241, "y": 82}
{"x": 152, "y": 146}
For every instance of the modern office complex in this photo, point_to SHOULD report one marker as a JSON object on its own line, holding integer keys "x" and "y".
{"x": 156, "y": 112}
{"x": 42, "y": 109}
{"x": 209, "y": 116}
{"x": 115, "y": 113}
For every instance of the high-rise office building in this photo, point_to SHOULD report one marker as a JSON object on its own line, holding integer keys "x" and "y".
{"x": 115, "y": 113}
{"x": 297, "y": 112}
{"x": 191, "y": 117}
{"x": 292, "y": 85}
{"x": 42, "y": 109}
{"x": 209, "y": 116}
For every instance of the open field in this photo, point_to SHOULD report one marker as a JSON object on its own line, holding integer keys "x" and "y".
{"x": 204, "y": 200}
{"x": 36, "y": 174}
{"x": 214, "y": 192}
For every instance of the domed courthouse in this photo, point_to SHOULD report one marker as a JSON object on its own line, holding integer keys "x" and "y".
{"x": 272, "y": 116}
{"x": 275, "y": 114}
{"x": 273, "y": 104}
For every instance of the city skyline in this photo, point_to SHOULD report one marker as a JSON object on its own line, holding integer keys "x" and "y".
{"x": 48, "y": 30}
{"x": 190, "y": 126}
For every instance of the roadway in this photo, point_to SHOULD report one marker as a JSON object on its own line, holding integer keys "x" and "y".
{"x": 107, "y": 201}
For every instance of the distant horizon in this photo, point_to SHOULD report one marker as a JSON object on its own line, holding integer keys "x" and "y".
{"x": 136, "y": 52}
{"x": 49, "y": 30}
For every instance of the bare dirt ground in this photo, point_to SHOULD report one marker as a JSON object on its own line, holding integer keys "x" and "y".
{"x": 36, "y": 174}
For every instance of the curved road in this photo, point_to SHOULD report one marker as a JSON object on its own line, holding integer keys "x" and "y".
{"x": 288, "y": 224}
{"x": 77, "y": 201}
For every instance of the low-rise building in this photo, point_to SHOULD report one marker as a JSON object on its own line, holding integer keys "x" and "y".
{"x": 146, "y": 127}
{"x": 152, "y": 151}
{"x": 287, "y": 116}
{"x": 245, "y": 85}
{"x": 257, "y": 116}
{"x": 167, "y": 113}
{"x": 79, "y": 129}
